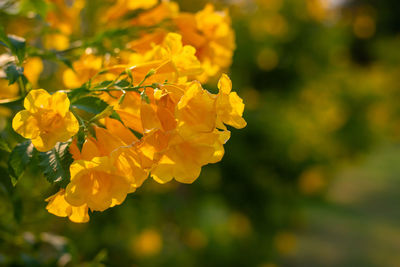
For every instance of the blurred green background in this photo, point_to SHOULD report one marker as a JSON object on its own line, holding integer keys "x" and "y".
{"x": 313, "y": 179}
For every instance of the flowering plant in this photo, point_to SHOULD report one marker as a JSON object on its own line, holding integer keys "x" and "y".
{"x": 132, "y": 104}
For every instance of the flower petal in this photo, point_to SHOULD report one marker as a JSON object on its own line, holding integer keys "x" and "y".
{"x": 26, "y": 125}
{"x": 37, "y": 99}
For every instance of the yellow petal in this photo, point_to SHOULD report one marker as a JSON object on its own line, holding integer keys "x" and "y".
{"x": 89, "y": 150}
{"x": 79, "y": 214}
{"x": 71, "y": 124}
{"x": 37, "y": 99}
{"x": 70, "y": 79}
{"x": 118, "y": 129}
{"x": 94, "y": 183}
{"x": 60, "y": 207}
{"x": 26, "y": 125}
{"x": 60, "y": 103}
{"x": 196, "y": 110}
{"x": 225, "y": 84}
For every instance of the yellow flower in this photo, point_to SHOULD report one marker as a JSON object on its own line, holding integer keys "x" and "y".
{"x": 46, "y": 119}
{"x": 210, "y": 32}
{"x": 183, "y": 56}
{"x": 196, "y": 111}
{"x": 147, "y": 243}
{"x": 172, "y": 61}
{"x": 33, "y": 67}
{"x": 154, "y": 16}
{"x": 184, "y": 158}
{"x": 8, "y": 91}
{"x": 84, "y": 69}
{"x": 121, "y": 7}
{"x": 97, "y": 184}
{"x": 60, "y": 207}
{"x": 184, "y": 117}
{"x": 106, "y": 169}
{"x": 64, "y": 16}
{"x": 229, "y": 105}
{"x": 57, "y": 41}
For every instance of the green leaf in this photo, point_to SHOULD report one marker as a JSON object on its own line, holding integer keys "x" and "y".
{"x": 18, "y": 46}
{"x": 81, "y": 137}
{"x": 4, "y": 145}
{"x": 123, "y": 83}
{"x": 55, "y": 164}
{"x": 103, "y": 84}
{"x": 3, "y": 38}
{"x": 114, "y": 115}
{"x": 144, "y": 96}
{"x": 38, "y": 6}
{"x": 90, "y": 104}
{"x": 13, "y": 73}
{"x": 19, "y": 159}
{"x": 64, "y": 60}
{"x": 78, "y": 92}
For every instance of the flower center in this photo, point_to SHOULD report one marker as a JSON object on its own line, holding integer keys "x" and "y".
{"x": 50, "y": 120}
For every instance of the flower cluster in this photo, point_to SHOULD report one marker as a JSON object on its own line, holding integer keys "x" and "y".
{"x": 159, "y": 121}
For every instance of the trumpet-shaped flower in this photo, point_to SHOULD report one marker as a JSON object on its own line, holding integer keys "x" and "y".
{"x": 106, "y": 169}
{"x": 229, "y": 105}
{"x": 46, "y": 119}
{"x": 184, "y": 157}
{"x": 97, "y": 184}
{"x": 60, "y": 207}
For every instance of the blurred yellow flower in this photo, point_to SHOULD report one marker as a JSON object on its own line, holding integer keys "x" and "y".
{"x": 64, "y": 15}
{"x": 33, "y": 67}
{"x": 46, "y": 119}
{"x": 267, "y": 59}
{"x": 164, "y": 10}
{"x": 196, "y": 239}
{"x": 211, "y": 34}
{"x": 285, "y": 243}
{"x": 364, "y": 26}
{"x": 57, "y": 41}
{"x": 312, "y": 181}
{"x": 8, "y": 91}
{"x": 147, "y": 243}
{"x": 85, "y": 68}
{"x": 121, "y": 7}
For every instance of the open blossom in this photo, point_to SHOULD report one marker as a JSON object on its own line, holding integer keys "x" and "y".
{"x": 46, "y": 119}
{"x": 60, "y": 207}
{"x": 103, "y": 173}
{"x": 97, "y": 184}
{"x": 230, "y": 106}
